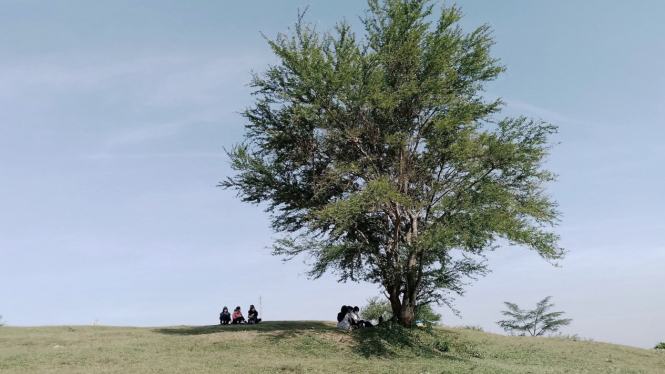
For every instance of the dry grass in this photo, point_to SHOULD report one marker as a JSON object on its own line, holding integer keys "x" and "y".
{"x": 306, "y": 347}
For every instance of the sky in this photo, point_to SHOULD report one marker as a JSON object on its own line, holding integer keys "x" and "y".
{"x": 114, "y": 116}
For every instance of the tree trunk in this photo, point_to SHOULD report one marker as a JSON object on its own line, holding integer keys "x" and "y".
{"x": 404, "y": 312}
{"x": 407, "y": 317}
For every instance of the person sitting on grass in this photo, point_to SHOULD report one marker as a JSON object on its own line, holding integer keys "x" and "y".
{"x": 224, "y": 316}
{"x": 344, "y": 319}
{"x": 253, "y": 315}
{"x": 359, "y": 322}
{"x": 237, "y": 316}
{"x": 340, "y": 315}
{"x": 353, "y": 311}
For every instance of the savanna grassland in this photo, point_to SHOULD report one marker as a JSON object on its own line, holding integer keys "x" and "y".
{"x": 306, "y": 347}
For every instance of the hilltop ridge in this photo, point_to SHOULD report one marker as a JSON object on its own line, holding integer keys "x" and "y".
{"x": 306, "y": 347}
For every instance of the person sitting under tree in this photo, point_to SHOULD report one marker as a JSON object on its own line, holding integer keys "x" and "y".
{"x": 359, "y": 322}
{"x": 345, "y": 319}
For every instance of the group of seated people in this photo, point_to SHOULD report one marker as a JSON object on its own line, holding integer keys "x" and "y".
{"x": 349, "y": 319}
{"x": 236, "y": 318}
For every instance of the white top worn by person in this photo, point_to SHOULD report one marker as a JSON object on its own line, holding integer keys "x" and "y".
{"x": 345, "y": 319}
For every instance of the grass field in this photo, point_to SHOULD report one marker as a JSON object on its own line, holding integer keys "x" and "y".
{"x": 306, "y": 347}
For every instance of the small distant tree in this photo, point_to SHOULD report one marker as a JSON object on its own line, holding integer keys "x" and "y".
{"x": 2, "y": 323}
{"x": 536, "y": 322}
{"x": 660, "y": 346}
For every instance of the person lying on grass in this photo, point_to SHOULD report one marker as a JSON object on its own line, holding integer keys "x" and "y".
{"x": 253, "y": 315}
{"x": 224, "y": 316}
{"x": 237, "y": 316}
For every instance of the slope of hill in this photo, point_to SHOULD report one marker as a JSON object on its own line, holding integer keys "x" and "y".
{"x": 306, "y": 347}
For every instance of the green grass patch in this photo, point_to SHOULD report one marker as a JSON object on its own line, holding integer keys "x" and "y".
{"x": 394, "y": 341}
{"x": 306, "y": 347}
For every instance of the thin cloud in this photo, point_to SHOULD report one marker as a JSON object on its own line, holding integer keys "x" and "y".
{"x": 118, "y": 156}
{"x": 143, "y": 133}
{"x": 548, "y": 115}
{"x": 146, "y": 133}
{"x": 175, "y": 79}
{"x": 545, "y": 114}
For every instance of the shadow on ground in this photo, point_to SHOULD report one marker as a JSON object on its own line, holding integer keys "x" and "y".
{"x": 395, "y": 341}
{"x": 387, "y": 341}
{"x": 285, "y": 328}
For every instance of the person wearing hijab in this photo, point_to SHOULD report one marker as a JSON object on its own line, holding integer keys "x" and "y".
{"x": 224, "y": 316}
{"x": 253, "y": 315}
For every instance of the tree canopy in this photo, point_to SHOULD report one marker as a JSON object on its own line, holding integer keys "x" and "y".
{"x": 379, "y": 158}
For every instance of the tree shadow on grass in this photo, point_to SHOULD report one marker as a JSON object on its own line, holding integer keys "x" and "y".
{"x": 390, "y": 341}
{"x": 328, "y": 329}
{"x": 279, "y": 328}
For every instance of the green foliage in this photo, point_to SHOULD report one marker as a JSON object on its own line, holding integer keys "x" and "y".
{"x": 535, "y": 322}
{"x": 427, "y": 315}
{"x": 379, "y": 158}
{"x": 376, "y": 307}
{"x": 573, "y": 337}
{"x": 659, "y": 346}
{"x": 474, "y": 328}
{"x": 393, "y": 340}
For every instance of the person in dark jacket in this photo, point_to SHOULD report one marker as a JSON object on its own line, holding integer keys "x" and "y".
{"x": 224, "y": 316}
{"x": 253, "y": 315}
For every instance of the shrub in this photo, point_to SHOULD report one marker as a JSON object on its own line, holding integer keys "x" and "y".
{"x": 393, "y": 340}
{"x": 474, "y": 328}
{"x": 377, "y": 307}
{"x": 574, "y": 337}
{"x": 427, "y": 315}
{"x": 659, "y": 346}
{"x": 442, "y": 346}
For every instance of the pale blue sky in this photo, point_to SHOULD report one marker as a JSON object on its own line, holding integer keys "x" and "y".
{"x": 114, "y": 116}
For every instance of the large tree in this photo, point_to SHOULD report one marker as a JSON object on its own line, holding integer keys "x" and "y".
{"x": 379, "y": 158}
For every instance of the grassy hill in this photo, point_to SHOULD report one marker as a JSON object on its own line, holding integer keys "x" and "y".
{"x": 306, "y": 347}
